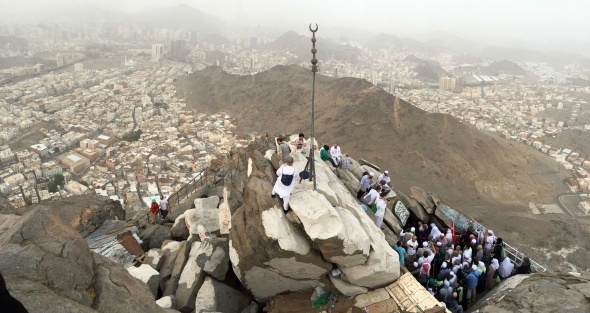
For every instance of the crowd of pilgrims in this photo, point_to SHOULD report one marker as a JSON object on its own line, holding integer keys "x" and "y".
{"x": 456, "y": 266}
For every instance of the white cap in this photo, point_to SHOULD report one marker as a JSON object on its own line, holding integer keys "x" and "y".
{"x": 371, "y": 174}
{"x": 439, "y": 244}
{"x": 386, "y": 172}
{"x": 415, "y": 264}
{"x": 444, "y": 265}
{"x": 412, "y": 229}
{"x": 473, "y": 241}
{"x": 425, "y": 244}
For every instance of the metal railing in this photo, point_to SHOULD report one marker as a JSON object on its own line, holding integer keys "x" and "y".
{"x": 207, "y": 177}
{"x": 511, "y": 252}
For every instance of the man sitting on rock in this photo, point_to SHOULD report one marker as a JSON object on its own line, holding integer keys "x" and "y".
{"x": 385, "y": 177}
{"x": 299, "y": 143}
{"x": 285, "y": 182}
{"x": 336, "y": 154}
{"x": 346, "y": 161}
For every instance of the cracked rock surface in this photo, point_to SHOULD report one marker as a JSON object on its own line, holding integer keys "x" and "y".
{"x": 48, "y": 267}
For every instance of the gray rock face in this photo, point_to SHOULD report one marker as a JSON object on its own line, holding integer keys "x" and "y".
{"x": 217, "y": 297}
{"x": 48, "y": 263}
{"x": 423, "y": 198}
{"x": 154, "y": 258}
{"x": 269, "y": 254}
{"x": 179, "y": 263}
{"x": 179, "y": 229}
{"x": 153, "y": 236}
{"x": 539, "y": 293}
{"x": 148, "y": 275}
{"x": 190, "y": 280}
{"x": 213, "y": 257}
{"x": 415, "y": 207}
{"x": 86, "y": 213}
{"x": 207, "y": 203}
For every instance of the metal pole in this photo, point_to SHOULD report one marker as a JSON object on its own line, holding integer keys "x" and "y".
{"x": 314, "y": 69}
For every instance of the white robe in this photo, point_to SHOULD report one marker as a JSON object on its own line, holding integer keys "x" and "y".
{"x": 279, "y": 188}
{"x": 506, "y": 267}
{"x": 435, "y": 233}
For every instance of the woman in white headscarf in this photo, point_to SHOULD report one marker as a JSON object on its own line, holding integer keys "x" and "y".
{"x": 435, "y": 233}
{"x": 491, "y": 273}
{"x": 488, "y": 245}
{"x": 506, "y": 268}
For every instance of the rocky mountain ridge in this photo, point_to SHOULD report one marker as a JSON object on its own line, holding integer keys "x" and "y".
{"x": 435, "y": 151}
{"x": 196, "y": 265}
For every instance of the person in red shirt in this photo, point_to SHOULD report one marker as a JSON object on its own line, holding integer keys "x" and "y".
{"x": 154, "y": 209}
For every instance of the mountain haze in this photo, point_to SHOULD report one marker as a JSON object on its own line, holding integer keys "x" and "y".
{"x": 435, "y": 151}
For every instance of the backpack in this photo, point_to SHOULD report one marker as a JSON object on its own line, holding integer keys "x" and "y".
{"x": 287, "y": 179}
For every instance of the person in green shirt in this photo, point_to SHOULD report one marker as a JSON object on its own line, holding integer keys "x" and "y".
{"x": 324, "y": 154}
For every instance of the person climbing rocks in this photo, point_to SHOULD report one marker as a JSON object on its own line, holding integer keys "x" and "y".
{"x": 385, "y": 177}
{"x": 163, "y": 207}
{"x": 283, "y": 151}
{"x": 285, "y": 182}
{"x": 401, "y": 253}
{"x": 154, "y": 208}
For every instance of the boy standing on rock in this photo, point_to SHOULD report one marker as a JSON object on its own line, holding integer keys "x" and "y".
{"x": 285, "y": 182}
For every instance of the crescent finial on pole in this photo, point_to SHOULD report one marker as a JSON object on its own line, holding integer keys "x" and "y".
{"x": 313, "y": 30}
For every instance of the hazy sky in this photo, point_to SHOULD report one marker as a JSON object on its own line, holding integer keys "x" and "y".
{"x": 493, "y": 21}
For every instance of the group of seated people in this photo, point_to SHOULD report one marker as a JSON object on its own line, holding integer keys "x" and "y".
{"x": 454, "y": 267}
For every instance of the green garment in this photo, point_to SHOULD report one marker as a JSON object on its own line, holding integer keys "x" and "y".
{"x": 325, "y": 155}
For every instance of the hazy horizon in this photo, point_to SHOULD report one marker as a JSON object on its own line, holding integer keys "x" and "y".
{"x": 539, "y": 24}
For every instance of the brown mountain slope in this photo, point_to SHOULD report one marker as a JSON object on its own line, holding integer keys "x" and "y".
{"x": 434, "y": 151}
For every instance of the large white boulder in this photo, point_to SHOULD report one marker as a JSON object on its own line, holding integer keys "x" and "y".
{"x": 333, "y": 230}
{"x": 180, "y": 229}
{"x": 146, "y": 274}
{"x": 190, "y": 280}
{"x": 154, "y": 258}
{"x": 202, "y": 222}
{"x": 207, "y": 203}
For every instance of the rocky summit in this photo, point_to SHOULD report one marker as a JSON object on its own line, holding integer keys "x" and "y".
{"x": 230, "y": 247}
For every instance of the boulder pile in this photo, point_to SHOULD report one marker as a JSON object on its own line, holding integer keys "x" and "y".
{"x": 232, "y": 251}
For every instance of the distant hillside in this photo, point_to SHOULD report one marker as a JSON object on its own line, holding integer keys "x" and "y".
{"x": 503, "y": 67}
{"x": 435, "y": 151}
{"x": 427, "y": 71}
{"x": 301, "y": 45}
{"x": 576, "y": 140}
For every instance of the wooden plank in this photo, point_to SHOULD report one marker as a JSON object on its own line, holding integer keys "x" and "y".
{"x": 410, "y": 296}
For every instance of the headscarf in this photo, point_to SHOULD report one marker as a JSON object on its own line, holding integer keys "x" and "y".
{"x": 425, "y": 269}
{"x": 495, "y": 264}
{"x": 449, "y": 235}
{"x": 481, "y": 267}
{"x": 467, "y": 254}
{"x": 506, "y": 267}
{"x": 435, "y": 233}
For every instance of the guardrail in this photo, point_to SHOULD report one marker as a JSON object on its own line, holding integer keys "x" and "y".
{"x": 511, "y": 252}
{"x": 207, "y": 177}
